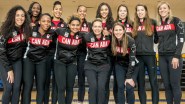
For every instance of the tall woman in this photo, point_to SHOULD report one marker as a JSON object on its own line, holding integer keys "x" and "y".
{"x": 82, "y": 52}
{"x": 65, "y": 66}
{"x": 14, "y": 32}
{"x": 145, "y": 36}
{"x": 97, "y": 66}
{"x": 57, "y": 22}
{"x": 34, "y": 11}
{"x": 170, "y": 30}
{"x": 35, "y": 59}
{"x": 105, "y": 13}
{"x": 123, "y": 49}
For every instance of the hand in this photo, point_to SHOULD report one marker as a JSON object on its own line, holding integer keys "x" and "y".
{"x": 106, "y": 32}
{"x": 175, "y": 63}
{"x": 10, "y": 77}
{"x": 130, "y": 81}
{"x": 32, "y": 24}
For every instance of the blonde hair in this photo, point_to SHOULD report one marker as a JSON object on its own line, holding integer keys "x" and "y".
{"x": 147, "y": 22}
{"x": 158, "y": 16}
{"x": 124, "y": 45}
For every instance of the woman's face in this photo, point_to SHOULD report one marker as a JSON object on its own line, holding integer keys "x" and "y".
{"x": 82, "y": 11}
{"x": 104, "y": 11}
{"x": 36, "y": 9}
{"x": 19, "y": 18}
{"x": 74, "y": 26}
{"x": 97, "y": 27}
{"x": 122, "y": 13}
{"x": 141, "y": 12}
{"x": 45, "y": 22}
{"x": 164, "y": 10}
{"x": 57, "y": 11}
{"x": 118, "y": 32}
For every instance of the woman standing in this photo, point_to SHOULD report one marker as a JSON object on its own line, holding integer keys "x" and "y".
{"x": 34, "y": 11}
{"x": 105, "y": 13}
{"x": 81, "y": 53}
{"x": 65, "y": 66}
{"x": 145, "y": 36}
{"x": 57, "y": 22}
{"x": 97, "y": 66}
{"x": 14, "y": 32}
{"x": 170, "y": 30}
{"x": 35, "y": 59}
{"x": 123, "y": 49}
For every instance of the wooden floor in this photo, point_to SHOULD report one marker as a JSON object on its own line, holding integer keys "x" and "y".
{"x": 162, "y": 98}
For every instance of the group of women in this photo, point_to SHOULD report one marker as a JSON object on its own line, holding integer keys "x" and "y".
{"x": 34, "y": 45}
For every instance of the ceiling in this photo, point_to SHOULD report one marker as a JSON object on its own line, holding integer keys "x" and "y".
{"x": 178, "y": 6}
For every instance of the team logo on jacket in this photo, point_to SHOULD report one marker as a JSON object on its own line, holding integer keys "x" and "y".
{"x": 48, "y": 36}
{"x": 77, "y": 36}
{"x": 39, "y": 41}
{"x": 62, "y": 25}
{"x": 99, "y": 44}
{"x": 34, "y": 34}
{"x": 165, "y": 27}
{"x": 66, "y": 34}
{"x": 14, "y": 33}
{"x": 68, "y": 41}
{"x": 17, "y": 38}
{"x": 92, "y": 40}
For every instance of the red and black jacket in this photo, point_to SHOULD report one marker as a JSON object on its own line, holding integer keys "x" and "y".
{"x": 38, "y": 45}
{"x": 128, "y": 27}
{"x": 67, "y": 45}
{"x": 12, "y": 47}
{"x": 171, "y": 37}
{"x": 85, "y": 28}
{"x": 144, "y": 43}
{"x": 129, "y": 59}
{"x": 54, "y": 26}
{"x": 98, "y": 49}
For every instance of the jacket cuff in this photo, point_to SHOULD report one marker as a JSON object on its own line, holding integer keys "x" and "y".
{"x": 177, "y": 56}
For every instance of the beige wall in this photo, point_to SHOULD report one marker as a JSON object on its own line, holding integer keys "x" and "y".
{"x": 178, "y": 6}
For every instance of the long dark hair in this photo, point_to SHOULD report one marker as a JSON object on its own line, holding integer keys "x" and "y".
{"x": 30, "y": 10}
{"x": 147, "y": 22}
{"x": 110, "y": 20}
{"x": 9, "y": 23}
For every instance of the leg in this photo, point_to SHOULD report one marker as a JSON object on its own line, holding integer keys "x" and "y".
{"x": 141, "y": 81}
{"x": 17, "y": 66}
{"x": 71, "y": 74}
{"x": 48, "y": 77}
{"x": 163, "y": 66}
{"x": 81, "y": 76}
{"x": 150, "y": 62}
{"x": 60, "y": 77}
{"x": 175, "y": 78}
{"x": 40, "y": 81}
{"x": 120, "y": 79}
{"x": 103, "y": 74}
{"x": 92, "y": 81}
{"x": 28, "y": 77}
{"x": 6, "y": 97}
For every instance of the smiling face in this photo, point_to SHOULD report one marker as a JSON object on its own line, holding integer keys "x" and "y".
{"x": 97, "y": 27}
{"x": 141, "y": 12}
{"x": 74, "y": 26}
{"x": 82, "y": 11}
{"x": 45, "y": 22}
{"x": 57, "y": 11}
{"x": 118, "y": 32}
{"x": 36, "y": 9}
{"x": 19, "y": 18}
{"x": 104, "y": 11}
{"x": 164, "y": 10}
{"x": 122, "y": 13}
